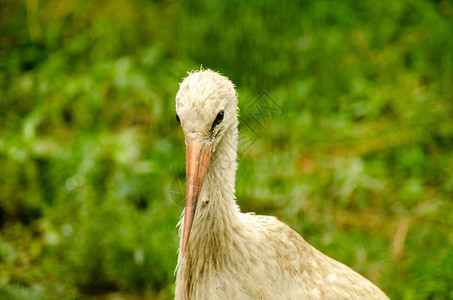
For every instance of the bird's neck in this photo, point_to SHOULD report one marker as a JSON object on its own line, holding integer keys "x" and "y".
{"x": 217, "y": 213}
{"x": 216, "y": 227}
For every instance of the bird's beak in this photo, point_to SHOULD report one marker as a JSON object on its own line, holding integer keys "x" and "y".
{"x": 197, "y": 161}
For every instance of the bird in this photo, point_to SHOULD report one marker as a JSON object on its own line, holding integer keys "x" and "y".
{"x": 227, "y": 254}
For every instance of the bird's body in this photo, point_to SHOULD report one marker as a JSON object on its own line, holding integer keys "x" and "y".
{"x": 232, "y": 255}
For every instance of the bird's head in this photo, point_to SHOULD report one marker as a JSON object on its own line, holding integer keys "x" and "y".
{"x": 206, "y": 108}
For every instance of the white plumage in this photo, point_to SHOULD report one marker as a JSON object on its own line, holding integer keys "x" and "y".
{"x": 228, "y": 254}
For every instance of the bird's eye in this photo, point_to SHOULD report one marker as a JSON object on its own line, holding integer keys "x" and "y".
{"x": 217, "y": 120}
{"x": 177, "y": 119}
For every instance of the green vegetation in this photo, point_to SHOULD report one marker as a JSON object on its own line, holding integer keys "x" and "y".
{"x": 360, "y": 161}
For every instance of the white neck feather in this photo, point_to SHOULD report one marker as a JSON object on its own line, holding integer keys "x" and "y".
{"x": 217, "y": 211}
{"x": 217, "y": 218}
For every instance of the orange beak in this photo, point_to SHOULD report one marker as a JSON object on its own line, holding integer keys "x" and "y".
{"x": 197, "y": 161}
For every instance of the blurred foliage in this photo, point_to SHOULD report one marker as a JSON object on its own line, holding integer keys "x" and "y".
{"x": 91, "y": 157}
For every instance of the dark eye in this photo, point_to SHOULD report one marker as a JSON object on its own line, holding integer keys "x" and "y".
{"x": 217, "y": 120}
{"x": 177, "y": 119}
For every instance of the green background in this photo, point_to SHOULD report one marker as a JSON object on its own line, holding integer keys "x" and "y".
{"x": 358, "y": 159}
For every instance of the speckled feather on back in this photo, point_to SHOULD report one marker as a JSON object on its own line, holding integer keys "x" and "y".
{"x": 231, "y": 255}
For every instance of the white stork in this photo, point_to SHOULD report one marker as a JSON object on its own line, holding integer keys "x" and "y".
{"x": 226, "y": 254}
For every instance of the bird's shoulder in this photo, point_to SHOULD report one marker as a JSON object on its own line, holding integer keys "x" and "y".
{"x": 278, "y": 234}
{"x": 319, "y": 274}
